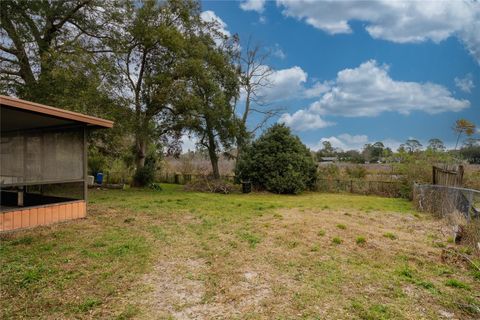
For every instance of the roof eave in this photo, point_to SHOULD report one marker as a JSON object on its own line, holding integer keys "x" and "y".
{"x": 55, "y": 112}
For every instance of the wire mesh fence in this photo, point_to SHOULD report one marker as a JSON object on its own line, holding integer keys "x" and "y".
{"x": 445, "y": 200}
{"x": 365, "y": 187}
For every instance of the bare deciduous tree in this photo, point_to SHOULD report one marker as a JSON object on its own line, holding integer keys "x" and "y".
{"x": 255, "y": 77}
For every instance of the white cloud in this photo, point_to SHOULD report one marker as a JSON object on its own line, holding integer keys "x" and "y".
{"x": 392, "y": 144}
{"x": 368, "y": 90}
{"x": 284, "y": 84}
{"x": 253, "y": 5}
{"x": 317, "y": 89}
{"x": 347, "y": 141}
{"x": 466, "y": 83}
{"x": 278, "y": 52}
{"x": 303, "y": 120}
{"x": 210, "y": 17}
{"x": 289, "y": 84}
{"x": 397, "y": 21}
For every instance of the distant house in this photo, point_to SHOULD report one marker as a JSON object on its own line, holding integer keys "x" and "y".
{"x": 43, "y": 163}
{"x": 327, "y": 160}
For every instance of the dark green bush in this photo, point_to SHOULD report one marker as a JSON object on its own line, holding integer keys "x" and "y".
{"x": 278, "y": 162}
{"x": 146, "y": 175}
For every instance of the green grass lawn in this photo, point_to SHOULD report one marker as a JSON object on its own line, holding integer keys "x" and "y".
{"x": 174, "y": 254}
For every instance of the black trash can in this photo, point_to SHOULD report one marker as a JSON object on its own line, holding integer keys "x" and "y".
{"x": 246, "y": 186}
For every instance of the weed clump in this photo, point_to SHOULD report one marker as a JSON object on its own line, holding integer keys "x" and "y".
{"x": 390, "y": 236}
{"x": 361, "y": 240}
{"x": 337, "y": 240}
{"x": 454, "y": 283}
{"x": 89, "y": 304}
{"x": 251, "y": 238}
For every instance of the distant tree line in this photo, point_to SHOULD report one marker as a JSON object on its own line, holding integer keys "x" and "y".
{"x": 378, "y": 152}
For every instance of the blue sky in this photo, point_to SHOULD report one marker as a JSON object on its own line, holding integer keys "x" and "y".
{"x": 362, "y": 72}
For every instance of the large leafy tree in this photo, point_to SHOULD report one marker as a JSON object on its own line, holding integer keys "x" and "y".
{"x": 373, "y": 152}
{"x": 412, "y": 145}
{"x": 278, "y": 161}
{"x": 327, "y": 151}
{"x": 435, "y": 145}
{"x": 213, "y": 89}
{"x": 52, "y": 50}
{"x": 151, "y": 48}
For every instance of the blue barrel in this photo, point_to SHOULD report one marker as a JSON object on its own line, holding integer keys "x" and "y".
{"x": 99, "y": 178}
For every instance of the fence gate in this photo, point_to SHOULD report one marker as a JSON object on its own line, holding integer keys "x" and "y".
{"x": 448, "y": 175}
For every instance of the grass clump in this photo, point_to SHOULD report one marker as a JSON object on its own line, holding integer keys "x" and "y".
{"x": 454, "y": 283}
{"x": 89, "y": 304}
{"x": 409, "y": 276}
{"x": 373, "y": 312}
{"x": 251, "y": 238}
{"x": 321, "y": 233}
{"x": 406, "y": 272}
{"x": 22, "y": 241}
{"x": 361, "y": 240}
{"x": 129, "y": 313}
{"x": 341, "y": 226}
{"x": 337, "y": 240}
{"x": 390, "y": 235}
{"x": 476, "y": 274}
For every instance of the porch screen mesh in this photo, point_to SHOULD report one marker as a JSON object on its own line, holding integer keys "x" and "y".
{"x": 41, "y": 156}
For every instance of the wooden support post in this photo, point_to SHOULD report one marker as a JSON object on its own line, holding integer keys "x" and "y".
{"x": 85, "y": 165}
{"x": 20, "y": 197}
{"x": 460, "y": 175}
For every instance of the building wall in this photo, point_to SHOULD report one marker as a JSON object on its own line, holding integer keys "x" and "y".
{"x": 42, "y": 215}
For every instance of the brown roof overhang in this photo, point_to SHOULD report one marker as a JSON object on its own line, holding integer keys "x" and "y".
{"x": 54, "y": 112}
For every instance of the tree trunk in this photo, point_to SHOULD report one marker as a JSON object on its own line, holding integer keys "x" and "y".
{"x": 140, "y": 155}
{"x": 458, "y": 139}
{"x": 140, "y": 141}
{"x": 212, "y": 152}
{"x": 246, "y": 112}
{"x": 214, "y": 161}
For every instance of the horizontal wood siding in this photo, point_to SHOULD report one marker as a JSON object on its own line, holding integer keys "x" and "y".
{"x": 42, "y": 215}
